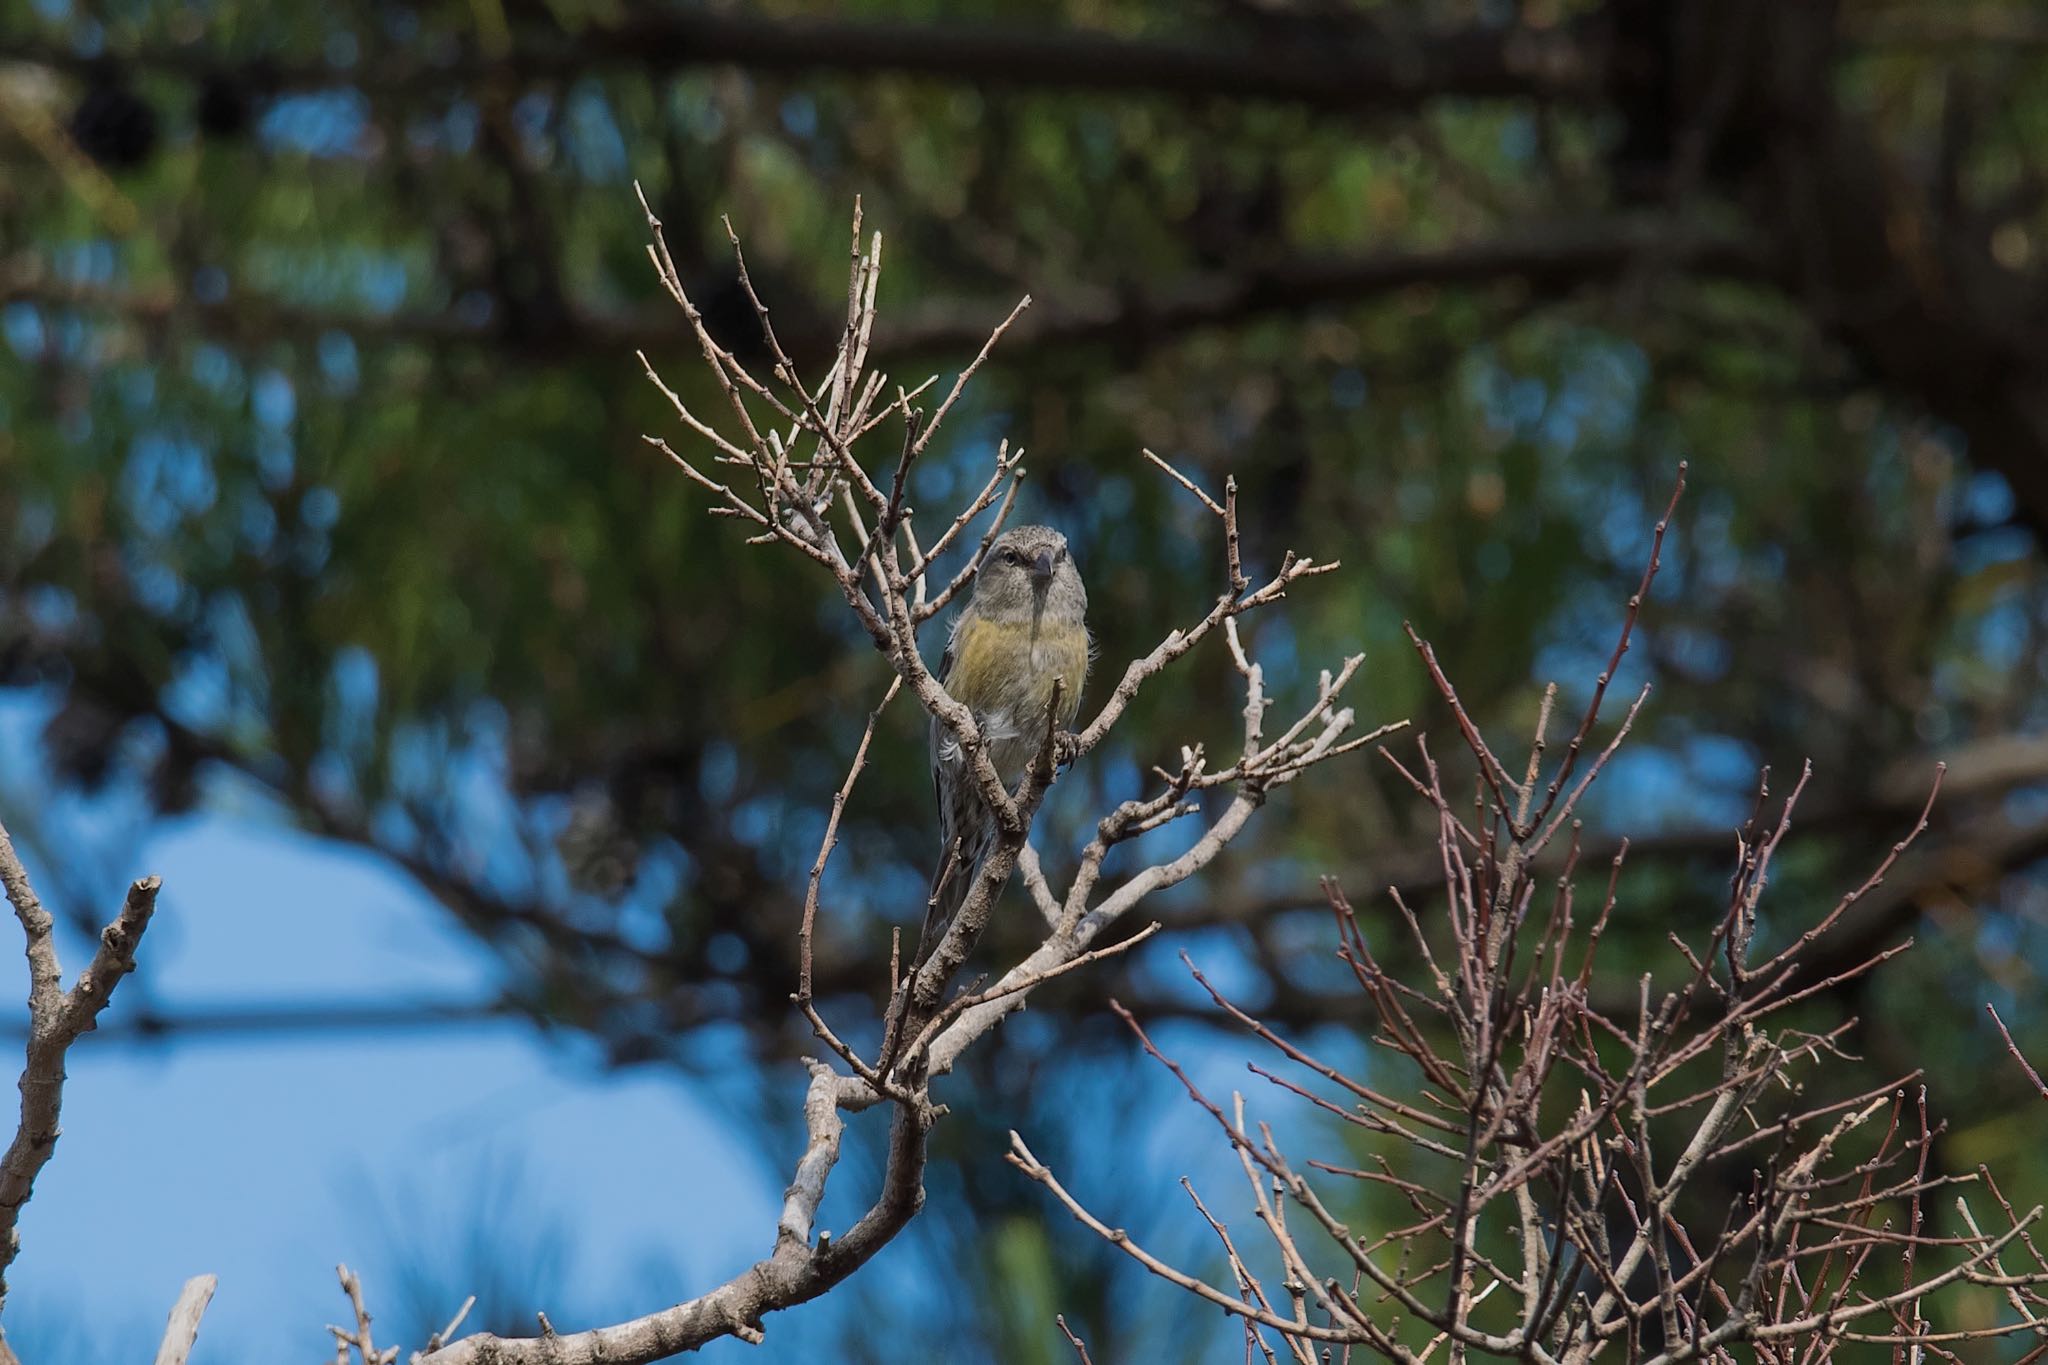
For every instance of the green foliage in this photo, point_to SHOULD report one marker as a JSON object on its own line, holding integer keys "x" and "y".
{"x": 323, "y": 470}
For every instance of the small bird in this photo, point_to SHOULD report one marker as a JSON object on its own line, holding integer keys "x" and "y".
{"x": 1024, "y": 628}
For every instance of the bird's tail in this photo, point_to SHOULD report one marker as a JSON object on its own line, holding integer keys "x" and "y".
{"x": 955, "y": 877}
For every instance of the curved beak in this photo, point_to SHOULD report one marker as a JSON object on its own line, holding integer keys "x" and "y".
{"x": 1041, "y": 569}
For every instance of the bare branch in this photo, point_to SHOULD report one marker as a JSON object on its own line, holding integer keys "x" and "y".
{"x": 2014, "y": 1048}
{"x": 57, "y": 1018}
{"x": 183, "y": 1328}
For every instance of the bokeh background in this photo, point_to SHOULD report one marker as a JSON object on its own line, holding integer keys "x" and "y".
{"x": 337, "y": 585}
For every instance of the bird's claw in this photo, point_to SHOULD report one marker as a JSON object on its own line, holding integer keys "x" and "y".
{"x": 1066, "y": 747}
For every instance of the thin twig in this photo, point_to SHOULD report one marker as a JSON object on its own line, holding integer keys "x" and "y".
{"x": 2014, "y": 1048}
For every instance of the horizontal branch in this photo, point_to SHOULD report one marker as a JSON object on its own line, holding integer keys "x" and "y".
{"x": 1551, "y": 260}
{"x": 240, "y": 1020}
{"x": 1365, "y": 72}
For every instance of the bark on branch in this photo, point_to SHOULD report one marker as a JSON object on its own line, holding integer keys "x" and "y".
{"x": 57, "y": 1018}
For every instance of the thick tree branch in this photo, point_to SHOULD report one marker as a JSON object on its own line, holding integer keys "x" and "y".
{"x": 798, "y": 1270}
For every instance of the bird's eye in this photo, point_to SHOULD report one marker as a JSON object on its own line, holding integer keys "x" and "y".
{"x": 1012, "y": 557}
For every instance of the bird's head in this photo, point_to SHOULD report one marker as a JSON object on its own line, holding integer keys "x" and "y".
{"x": 1028, "y": 572}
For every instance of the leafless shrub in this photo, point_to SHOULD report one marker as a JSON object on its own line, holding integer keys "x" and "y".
{"x": 1545, "y": 1146}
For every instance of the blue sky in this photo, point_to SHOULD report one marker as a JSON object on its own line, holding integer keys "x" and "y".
{"x": 265, "y": 1161}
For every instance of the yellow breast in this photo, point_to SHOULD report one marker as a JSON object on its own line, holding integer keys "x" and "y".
{"x": 1010, "y": 666}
